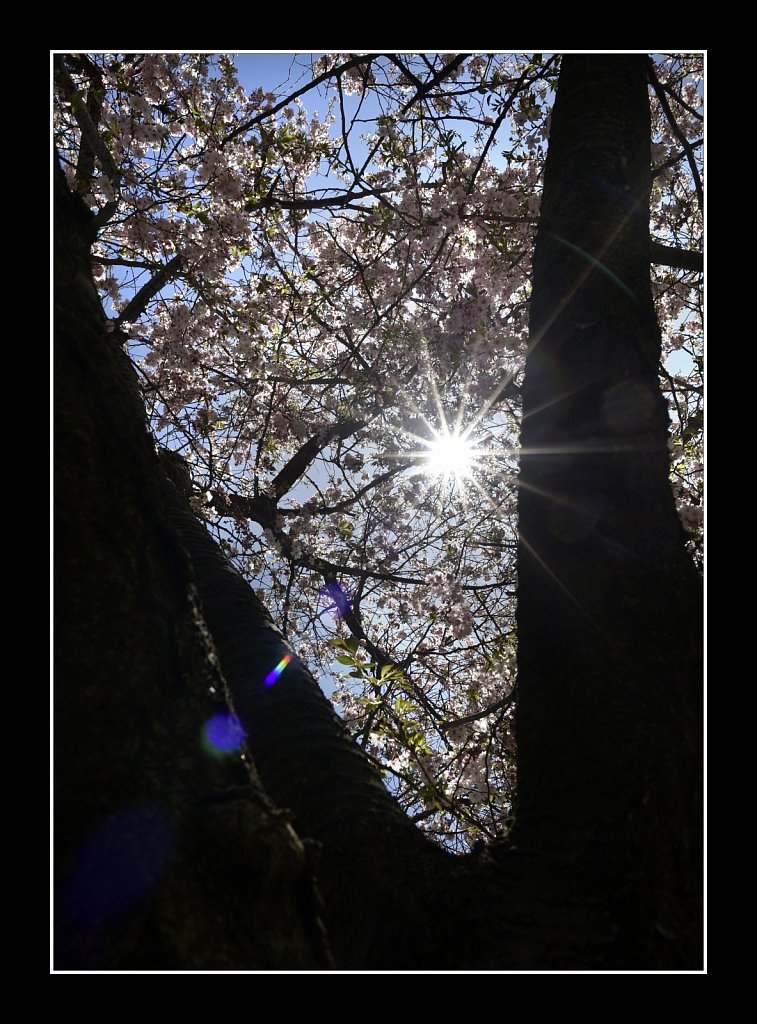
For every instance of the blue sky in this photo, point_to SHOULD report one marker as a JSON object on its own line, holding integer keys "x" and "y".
{"x": 271, "y": 70}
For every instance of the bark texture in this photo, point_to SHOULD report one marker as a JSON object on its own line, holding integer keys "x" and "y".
{"x": 166, "y": 856}
{"x": 376, "y": 871}
{"x": 609, "y": 604}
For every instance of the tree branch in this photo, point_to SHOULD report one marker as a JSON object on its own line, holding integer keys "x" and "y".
{"x": 137, "y": 304}
{"x": 495, "y": 128}
{"x": 91, "y": 138}
{"x": 505, "y": 702}
{"x": 679, "y": 99}
{"x": 342, "y": 505}
{"x": 438, "y": 77}
{"x": 394, "y": 58}
{"x": 355, "y": 62}
{"x": 315, "y": 204}
{"x": 687, "y": 147}
{"x": 299, "y": 462}
{"x": 673, "y": 160}
{"x": 681, "y": 259}
{"x": 262, "y": 510}
{"x": 107, "y": 261}
{"x": 85, "y": 165}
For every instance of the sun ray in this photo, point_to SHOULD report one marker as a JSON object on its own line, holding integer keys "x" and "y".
{"x": 566, "y": 590}
{"x": 487, "y": 404}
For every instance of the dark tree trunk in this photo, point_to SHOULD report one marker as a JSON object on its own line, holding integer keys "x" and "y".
{"x": 601, "y": 869}
{"x": 165, "y": 856}
{"x": 609, "y": 604}
{"x": 375, "y": 869}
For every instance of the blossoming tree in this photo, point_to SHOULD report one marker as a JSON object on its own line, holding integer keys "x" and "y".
{"x": 329, "y": 316}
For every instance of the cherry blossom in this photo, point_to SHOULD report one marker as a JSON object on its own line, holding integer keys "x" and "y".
{"x": 312, "y": 302}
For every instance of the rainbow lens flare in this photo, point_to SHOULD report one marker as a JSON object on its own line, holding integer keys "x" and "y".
{"x": 274, "y": 674}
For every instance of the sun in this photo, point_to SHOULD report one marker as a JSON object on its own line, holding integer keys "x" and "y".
{"x": 451, "y": 456}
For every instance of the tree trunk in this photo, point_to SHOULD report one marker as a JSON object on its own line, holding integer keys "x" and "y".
{"x": 609, "y": 604}
{"x": 375, "y": 869}
{"x": 166, "y": 857}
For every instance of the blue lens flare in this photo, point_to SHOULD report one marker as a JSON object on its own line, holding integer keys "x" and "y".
{"x": 337, "y": 598}
{"x": 224, "y": 732}
{"x": 119, "y": 864}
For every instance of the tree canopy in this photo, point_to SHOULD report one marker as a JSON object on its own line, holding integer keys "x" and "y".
{"x": 316, "y": 303}
{"x": 325, "y": 291}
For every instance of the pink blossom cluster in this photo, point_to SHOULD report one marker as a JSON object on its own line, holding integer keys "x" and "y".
{"x": 308, "y": 299}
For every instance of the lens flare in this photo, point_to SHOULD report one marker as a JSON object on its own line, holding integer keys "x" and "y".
{"x": 336, "y": 598}
{"x": 119, "y": 864}
{"x": 224, "y": 733}
{"x": 274, "y": 674}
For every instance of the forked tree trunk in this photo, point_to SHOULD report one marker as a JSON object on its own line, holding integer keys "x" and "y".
{"x": 602, "y": 866}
